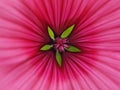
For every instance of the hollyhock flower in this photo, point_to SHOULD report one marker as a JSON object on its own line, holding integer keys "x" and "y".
{"x": 59, "y": 45}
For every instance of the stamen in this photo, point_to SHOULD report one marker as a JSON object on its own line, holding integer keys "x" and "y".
{"x": 60, "y": 44}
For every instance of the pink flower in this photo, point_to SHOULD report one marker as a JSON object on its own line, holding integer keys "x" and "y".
{"x": 24, "y": 32}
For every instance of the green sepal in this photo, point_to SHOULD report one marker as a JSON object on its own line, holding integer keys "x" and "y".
{"x": 58, "y": 58}
{"x": 73, "y": 49}
{"x": 46, "y": 47}
{"x": 51, "y": 33}
{"x": 67, "y": 32}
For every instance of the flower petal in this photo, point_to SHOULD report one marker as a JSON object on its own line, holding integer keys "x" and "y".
{"x": 24, "y": 29}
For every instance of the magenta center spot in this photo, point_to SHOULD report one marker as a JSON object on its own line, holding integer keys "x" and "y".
{"x": 60, "y": 44}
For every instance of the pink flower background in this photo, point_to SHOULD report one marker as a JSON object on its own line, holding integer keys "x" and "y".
{"x": 23, "y": 30}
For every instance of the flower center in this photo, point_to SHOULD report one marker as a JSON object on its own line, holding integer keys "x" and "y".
{"x": 60, "y": 44}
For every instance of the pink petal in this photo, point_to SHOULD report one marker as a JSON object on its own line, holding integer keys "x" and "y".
{"x": 23, "y": 30}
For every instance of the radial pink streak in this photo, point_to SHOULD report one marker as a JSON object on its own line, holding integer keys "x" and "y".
{"x": 23, "y": 30}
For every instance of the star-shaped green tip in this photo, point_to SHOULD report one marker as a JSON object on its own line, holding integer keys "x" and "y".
{"x": 67, "y": 32}
{"x": 51, "y": 33}
{"x": 46, "y": 47}
{"x": 58, "y": 58}
{"x": 73, "y": 49}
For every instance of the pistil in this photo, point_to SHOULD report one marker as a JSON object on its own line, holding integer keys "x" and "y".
{"x": 61, "y": 44}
